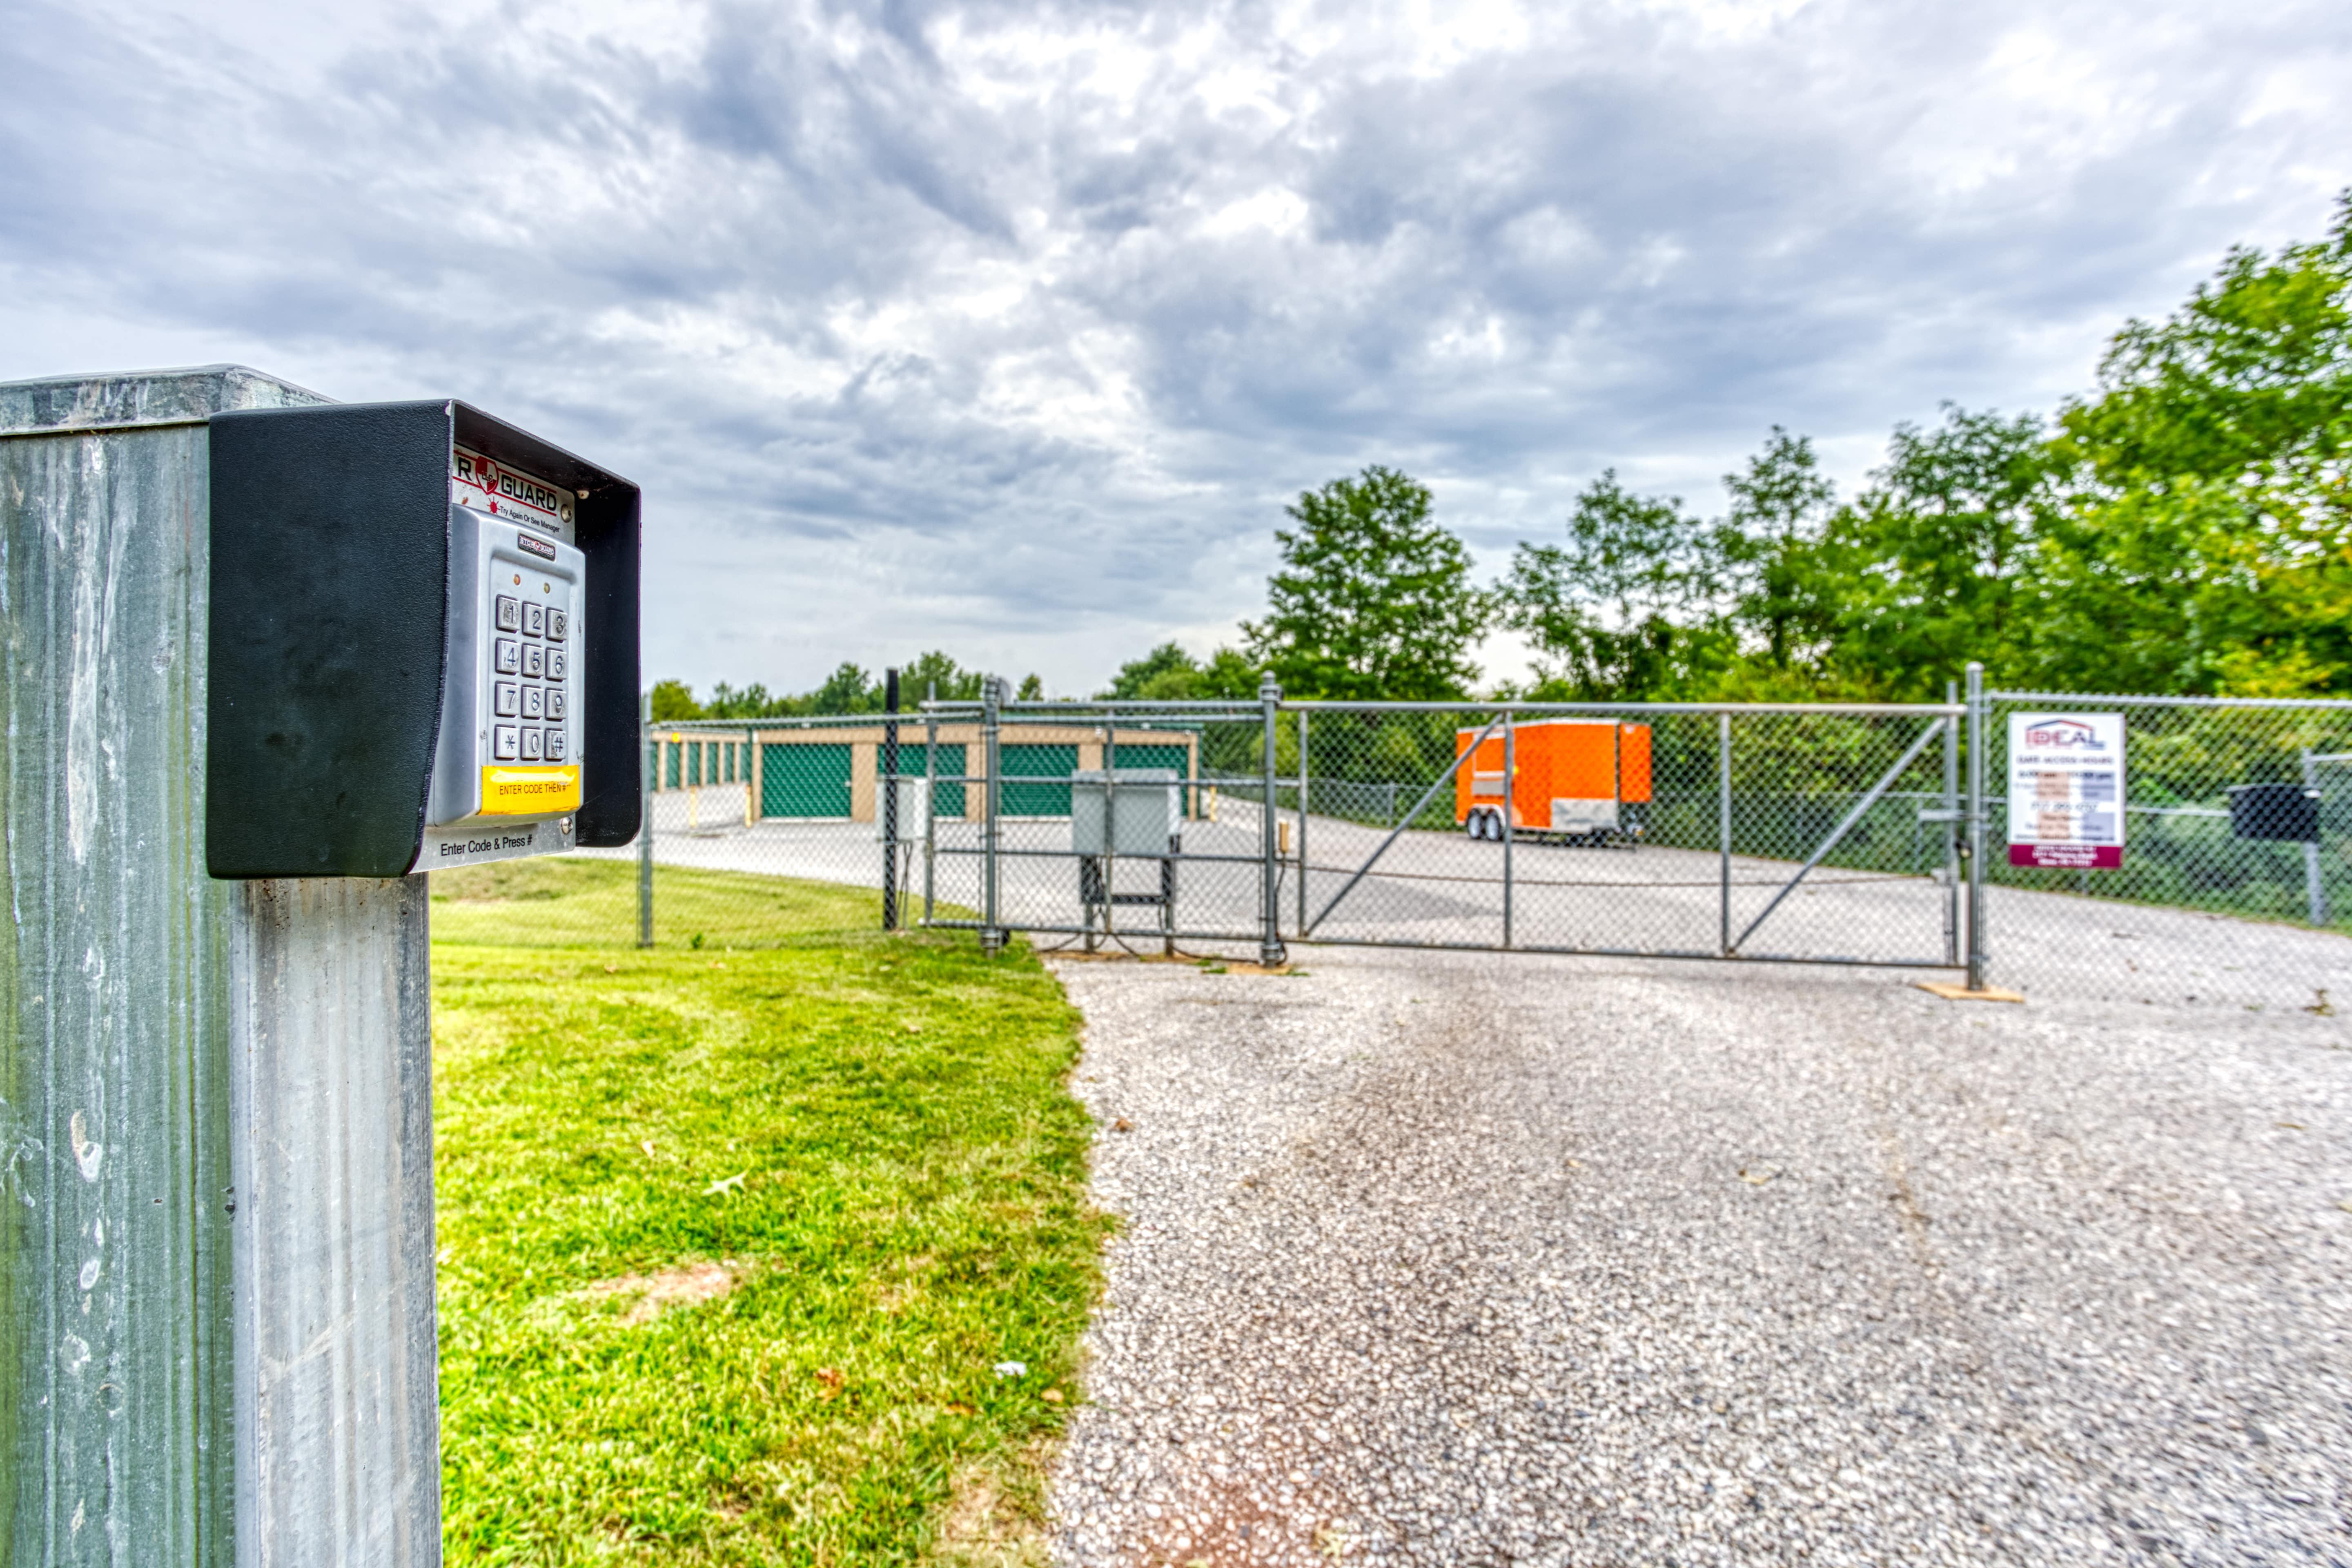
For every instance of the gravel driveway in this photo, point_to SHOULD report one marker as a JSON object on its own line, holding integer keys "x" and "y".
{"x": 1471, "y": 1260}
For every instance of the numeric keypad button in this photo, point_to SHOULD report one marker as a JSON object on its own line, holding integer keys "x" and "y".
{"x": 534, "y": 661}
{"x": 534, "y": 620}
{"x": 509, "y": 613}
{"x": 504, "y": 700}
{"x": 555, "y": 745}
{"x": 505, "y": 656}
{"x": 504, "y": 739}
{"x": 530, "y": 744}
{"x": 558, "y": 661}
{"x": 530, "y": 696}
{"x": 558, "y": 624}
{"x": 554, "y": 703}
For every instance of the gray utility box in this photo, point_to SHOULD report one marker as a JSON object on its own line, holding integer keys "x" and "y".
{"x": 1140, "y": 813}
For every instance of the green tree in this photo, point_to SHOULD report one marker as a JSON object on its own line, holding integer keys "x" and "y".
{"x": 849, "y": 690}
{"x": 1168, "y": 674}
{"x": 2207, "y": 543}
{"x": 934, "y": 674}
{"x": 1033, "y": 689}
{"x": 1137, "y": 677}
{"x": 1374, "y": 600}
{"x": 1625, "y": 610}
{"x": 673, "y": 699}
{"x": 1935, "y": 562}
{"x": 1769, "y": 552}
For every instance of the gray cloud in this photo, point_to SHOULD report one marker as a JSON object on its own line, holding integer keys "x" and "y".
{"x": 1012, "y": 327}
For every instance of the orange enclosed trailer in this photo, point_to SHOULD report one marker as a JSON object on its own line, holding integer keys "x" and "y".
{"x": 1577, "y": 778}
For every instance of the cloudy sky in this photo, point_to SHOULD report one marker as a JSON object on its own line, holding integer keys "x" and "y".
{"x": 1010, "y": 328}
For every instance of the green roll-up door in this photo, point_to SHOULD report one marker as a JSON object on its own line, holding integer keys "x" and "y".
{"x": 1055, "y": 763}
{"x": 947, "y": 799}
{"x": 677, "y": 754}
{"x": 694, "y": 764}
{"x": 805, "y": 781}
{"x": 726, "y": 755}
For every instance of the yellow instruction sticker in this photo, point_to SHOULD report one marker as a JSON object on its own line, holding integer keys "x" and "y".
{"x": 529, "y": 792}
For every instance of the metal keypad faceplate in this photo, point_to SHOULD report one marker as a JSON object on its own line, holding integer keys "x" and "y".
{"x": 506, "y": 774}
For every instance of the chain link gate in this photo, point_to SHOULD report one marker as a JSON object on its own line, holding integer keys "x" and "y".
{"x": 1768, "y": 833}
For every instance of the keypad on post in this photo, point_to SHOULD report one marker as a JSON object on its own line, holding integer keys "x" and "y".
{"x": 524, "y": 655}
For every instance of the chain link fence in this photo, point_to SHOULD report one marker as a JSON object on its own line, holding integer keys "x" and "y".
{"x": 2225, "y": 896}
{"x": 1808, "y": 833}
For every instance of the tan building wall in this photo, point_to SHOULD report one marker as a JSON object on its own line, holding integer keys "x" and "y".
{"x": 866, "y": 749}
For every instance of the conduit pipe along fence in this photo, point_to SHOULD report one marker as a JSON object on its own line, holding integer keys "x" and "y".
{"x": 1869, "y": 833}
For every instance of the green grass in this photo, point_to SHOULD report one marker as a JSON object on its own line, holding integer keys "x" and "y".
{"x": 872, "y": 1137}
{"x": 559, "y": 902}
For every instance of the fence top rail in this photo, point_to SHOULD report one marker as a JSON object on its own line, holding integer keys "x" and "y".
{"x": 2136, "y": 700}
{"x": 725, "y": 728}
{"x": 1079, "y": 707}
{"x": 1076, "y": 711}
{"x": 1474, "y": 705}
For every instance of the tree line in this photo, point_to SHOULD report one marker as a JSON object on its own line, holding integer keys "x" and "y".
{"x": 2184, "y": 527}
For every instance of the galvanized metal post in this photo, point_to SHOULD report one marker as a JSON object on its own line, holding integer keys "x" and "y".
{"x": 2315, "y": 886}
{"x": 1978, "y": 762}
{"x": 1510, "y": 781}
{"x": 890, "y": 800}
{"x": 1951, "y": 828}
{"x": 1269, "y": 945}
{"x": 216, "y": 1316}
{"x": 1110, "y": 834}
{"x": 932, "y": 789}
{"x": 1723, "y": 825}
{"x": 992, "y": 698}
{"x": 651, "y": 748}
{"x": 1302, "y": 822}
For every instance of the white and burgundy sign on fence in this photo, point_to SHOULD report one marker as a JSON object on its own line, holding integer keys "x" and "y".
{"x": 2066, "y": 790}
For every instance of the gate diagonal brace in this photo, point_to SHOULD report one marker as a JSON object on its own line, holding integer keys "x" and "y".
{"x": 1402, "y": 823}
{"x": 1837, "y": 833}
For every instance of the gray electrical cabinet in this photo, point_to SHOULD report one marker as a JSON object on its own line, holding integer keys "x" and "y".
{"x": 1139, "y": 813}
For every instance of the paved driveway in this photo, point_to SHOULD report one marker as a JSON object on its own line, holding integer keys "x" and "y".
{"x": 1467, "y": 1259}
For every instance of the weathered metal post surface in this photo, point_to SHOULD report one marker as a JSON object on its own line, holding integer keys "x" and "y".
{"x": 338, "y": 1438}
{"x": 123, "y": 1326}
{"x": 1270, "y": 951}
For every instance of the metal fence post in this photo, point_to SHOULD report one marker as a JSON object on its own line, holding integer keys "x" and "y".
{"x": 890, "y": 800}
{"x": 1723, "y": 825}
{"x": 1951, "y": 829}
{"x": 931, "y": 797}
{"x": 2314, "y": 885}
{"x": 992, "y": 696}
{"x": 1110, "y": 833}
{"x": 651, "y": 748}
{"x": 1510, "y": 800}
{"x": 1269, "y": 946}
{"x": 1302, "y": 820}
{"x": 1978, "y": 758}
